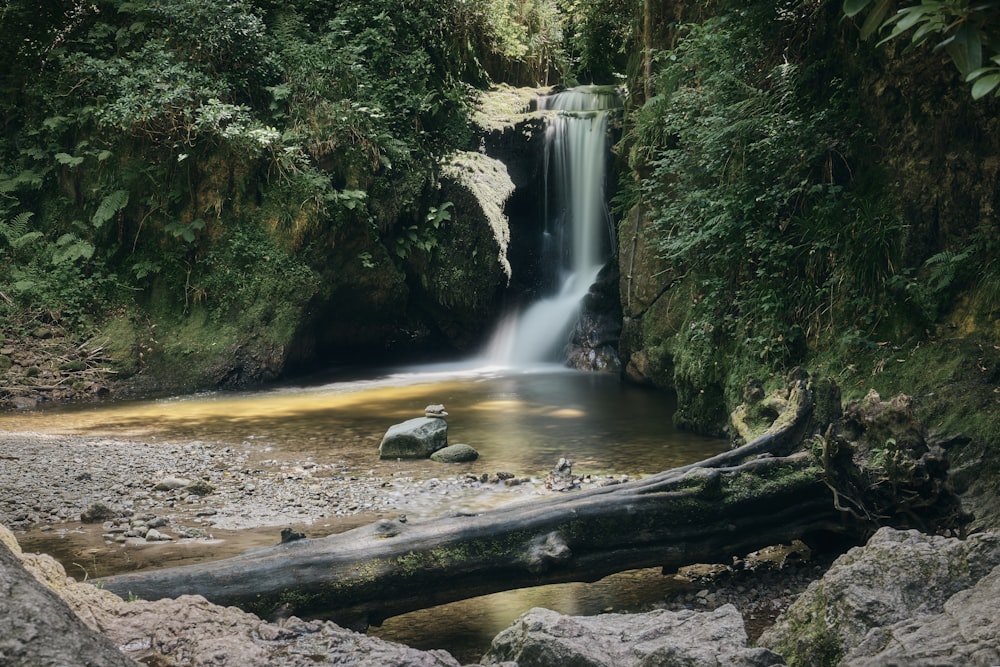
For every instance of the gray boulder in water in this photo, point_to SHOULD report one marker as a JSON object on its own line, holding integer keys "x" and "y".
{"x": 457, "y": 453}
{"x": 414, "y": 439}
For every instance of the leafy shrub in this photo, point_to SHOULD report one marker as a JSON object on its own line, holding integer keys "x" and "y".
{"x": 751, "y": 187}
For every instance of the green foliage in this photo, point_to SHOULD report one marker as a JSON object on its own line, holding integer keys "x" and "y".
{"x": 16, "y": 232}
{"x": 109, "y": 207}
{"x": 750, "y": 186}
{"x": 247, "y": 277}
{"x": 169, "y": 150}
{"x": 599, "y": 34}
{"x": 966, "y": 31}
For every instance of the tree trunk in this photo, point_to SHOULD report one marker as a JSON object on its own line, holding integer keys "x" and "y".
{"x": 744, "y": 499}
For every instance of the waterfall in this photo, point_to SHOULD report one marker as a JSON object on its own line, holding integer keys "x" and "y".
{"x": 577, "y": 225}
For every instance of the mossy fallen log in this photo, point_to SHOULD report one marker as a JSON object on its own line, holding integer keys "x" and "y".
{"x": 769, "y": 491}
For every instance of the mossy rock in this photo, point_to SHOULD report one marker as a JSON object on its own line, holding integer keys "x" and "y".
{"x": 74, "y": 366}
{"x": 199, "y": 487}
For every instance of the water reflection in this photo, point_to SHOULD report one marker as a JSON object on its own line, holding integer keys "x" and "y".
{"x": 467, "y": 627}
{"x": 522, "y": 421}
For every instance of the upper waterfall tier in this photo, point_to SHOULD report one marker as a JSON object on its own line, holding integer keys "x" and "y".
{"x": 583, "y": 98}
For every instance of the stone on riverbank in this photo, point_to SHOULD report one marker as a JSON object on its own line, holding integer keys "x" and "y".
{"x": 37, "y": 627}
{"x": 97, "y": 513}
{"x": 456, "y": 453}
{"x": 890, "y": 588}
{"x": 967, "y": 631}
{"x": 541, "y": 637}
{"x": 171, "y": 483}
{"x": 414, "y": 439}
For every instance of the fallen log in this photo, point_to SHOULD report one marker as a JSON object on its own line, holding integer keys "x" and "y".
{"x": 760, "y": 494}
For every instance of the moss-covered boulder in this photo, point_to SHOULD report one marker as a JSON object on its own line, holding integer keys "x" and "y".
{"x": 898, "y": 575}
{"x": 461, "y": 277}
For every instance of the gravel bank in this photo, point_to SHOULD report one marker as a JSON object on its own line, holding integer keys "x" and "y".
{"x": 189, "y": 487}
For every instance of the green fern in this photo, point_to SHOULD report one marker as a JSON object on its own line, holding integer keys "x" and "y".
{"x": 16, "y": 231}
{"x": 109, "y": 206}
{"x": 70, "y": 247}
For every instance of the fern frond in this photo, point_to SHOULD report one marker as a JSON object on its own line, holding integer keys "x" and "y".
{"x": 15, "y": 229}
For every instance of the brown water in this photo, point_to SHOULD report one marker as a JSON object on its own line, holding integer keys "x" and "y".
{"x": 518, "y": 421}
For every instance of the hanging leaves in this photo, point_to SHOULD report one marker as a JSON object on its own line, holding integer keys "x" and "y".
{"x": 965, "y": 32}
{"x": 108, "y": 207}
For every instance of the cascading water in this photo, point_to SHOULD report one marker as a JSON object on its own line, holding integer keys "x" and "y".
{"x": 577, "y": 225}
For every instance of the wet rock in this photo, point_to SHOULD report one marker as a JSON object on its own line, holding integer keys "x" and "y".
{"x": 457, "y": 453}
{"x": 561, "y": 478}
{"x": 39, "y": 628}
{"x": 188, "y": 630}
{"x": 594, "y": 343}
{"x": 541, "y": 638}
{"x": 289, "y": 535}
{"x": 414, "y": 439}
{"x": 898, "y": 577}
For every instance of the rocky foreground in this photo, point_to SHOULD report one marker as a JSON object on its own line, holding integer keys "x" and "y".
{"x": 904, "y": 599}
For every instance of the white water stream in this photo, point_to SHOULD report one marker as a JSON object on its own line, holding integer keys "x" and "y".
{"x": 576, "y": 225}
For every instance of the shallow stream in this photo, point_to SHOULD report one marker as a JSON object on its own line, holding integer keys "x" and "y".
{"x": 519, "y": 421}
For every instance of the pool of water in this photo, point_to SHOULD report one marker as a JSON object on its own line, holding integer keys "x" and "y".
{"x": 519, "y": 420}
{"x": 523, "y": 421}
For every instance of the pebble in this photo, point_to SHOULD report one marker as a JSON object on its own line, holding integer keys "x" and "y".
{"x": 144, "y": 485}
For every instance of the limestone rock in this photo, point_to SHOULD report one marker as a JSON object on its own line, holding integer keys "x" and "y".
{"x": 153, "y": 535}
{"x": 471, "y": 265}
{"x": 435, "y": 411}
{"x": 541, "y": 638}
{"x": 414, "y": 439}
{"x": 966, "y": 632}
{"x": 897, "y": 578}
{"x": 457, "y": 453}
{"x": 38, "y": 628}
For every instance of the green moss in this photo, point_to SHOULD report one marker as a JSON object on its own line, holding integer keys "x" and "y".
{"x": 503, "y": 107}
{"x": 120, "y": 337}
{"x": 805, "y": 638}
